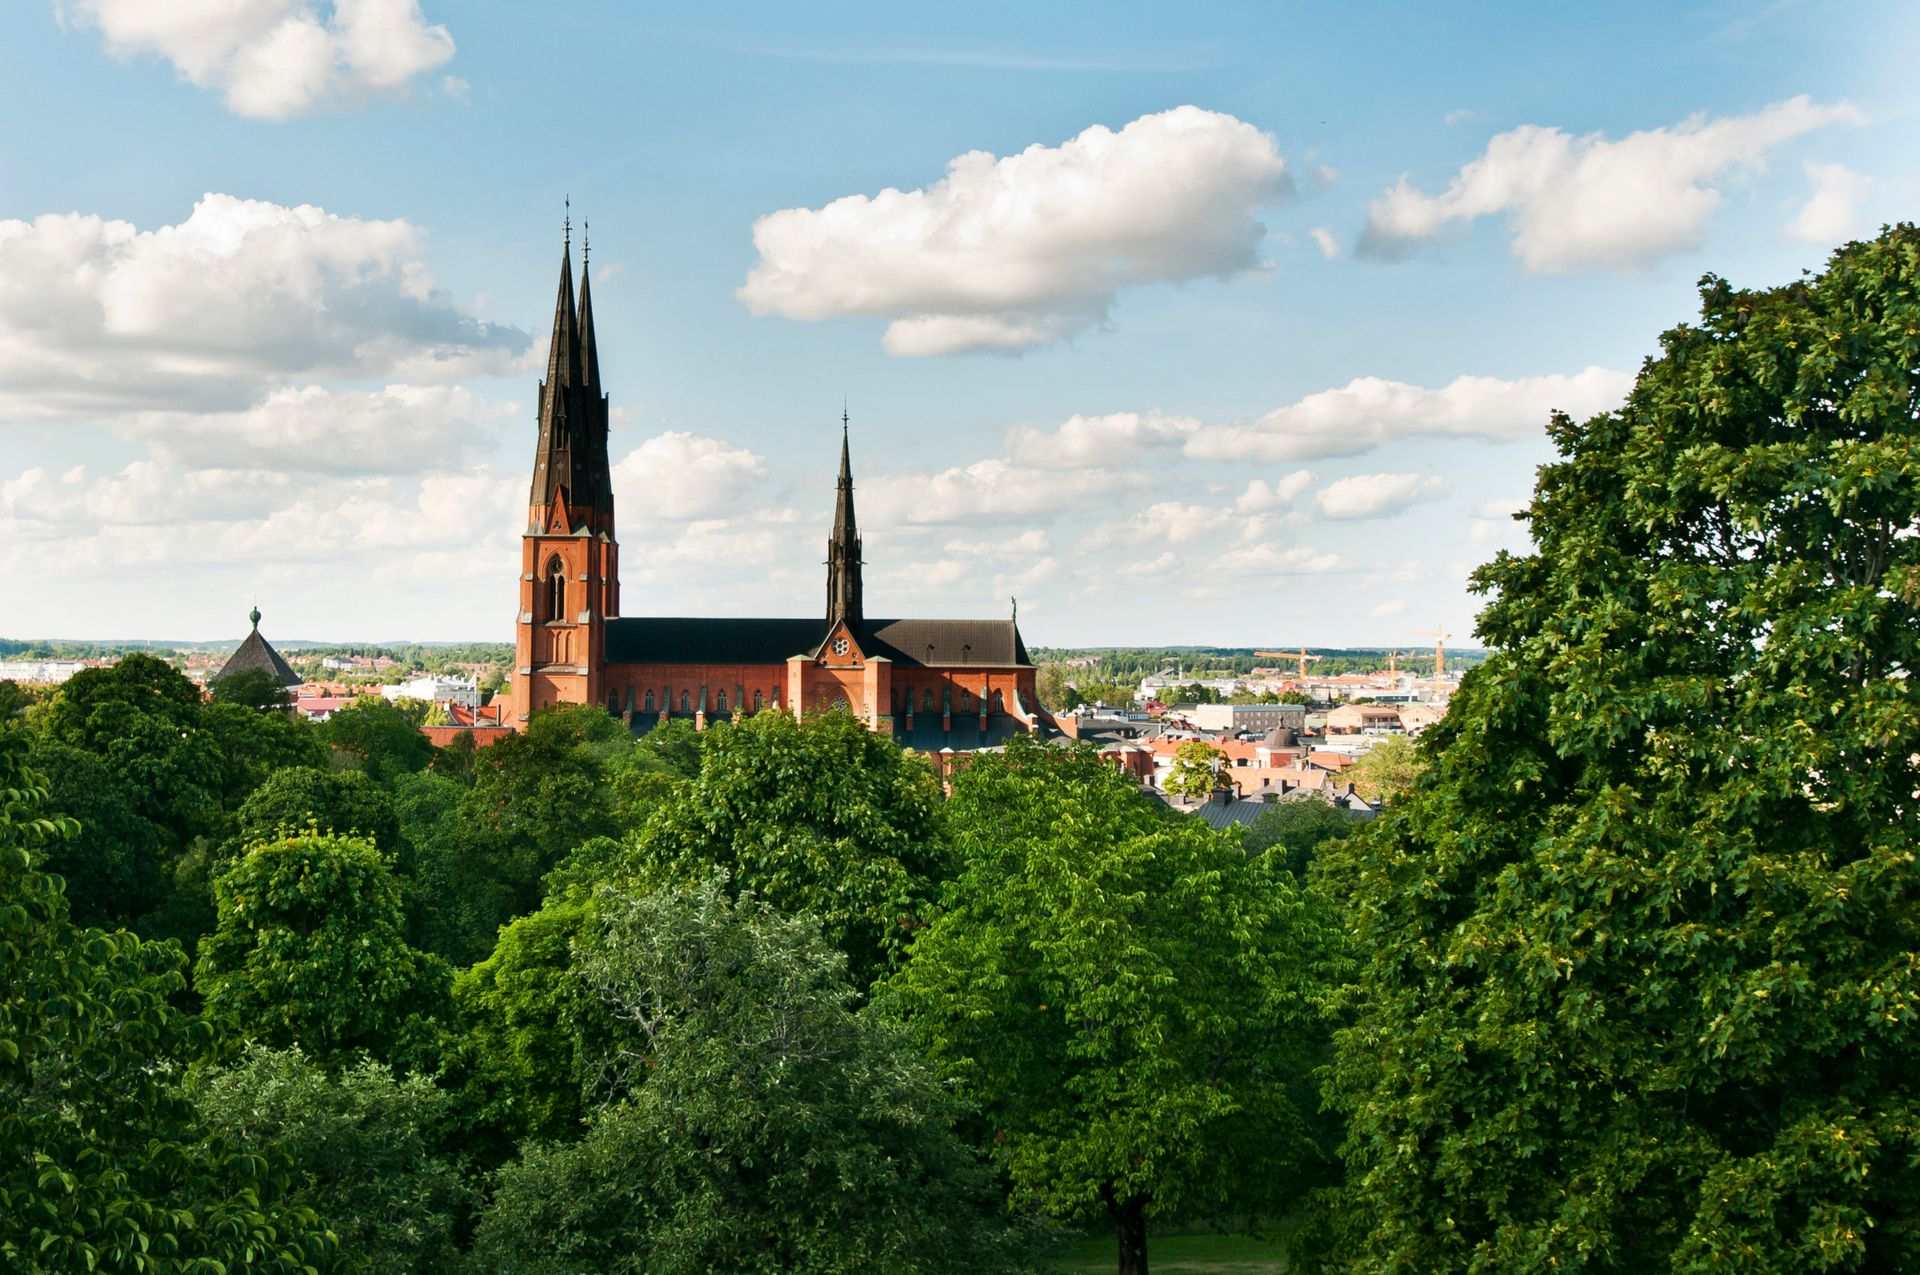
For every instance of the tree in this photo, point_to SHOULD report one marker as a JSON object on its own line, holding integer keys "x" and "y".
{"x": 1123, "y": 994}
{"x": 1195, "y": 770}
{"x": 753, "y": 1119}
{"x": 253, "y": 745}
{"x": 376, "y": 737}
{"x": 536, "y": 797}
{"x": 1295, "y": 830}
{"x": 358, "y": 1145}
{"x": 102, "y": 1165}
{"x": 1388, "y": 771}
{"x": 1055, "y": 691}
{"x": 310, "y": 950}
{"x": 820, "y": 816}
{"x": 251, "y": 688}
{"x": 521, "y": 1015}
{"x": 302, "y": 796}
{"x": 111, "y": 864}
{"x": 1637, "y": 987}
{"x": 144, "y": 720}
{"x": 456, "y": 914}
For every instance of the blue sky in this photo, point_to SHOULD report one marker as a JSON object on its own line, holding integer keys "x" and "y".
{"x": 1236, "y": 323}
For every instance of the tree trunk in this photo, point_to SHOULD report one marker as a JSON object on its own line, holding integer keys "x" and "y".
{"x": 1130, "y": 1229}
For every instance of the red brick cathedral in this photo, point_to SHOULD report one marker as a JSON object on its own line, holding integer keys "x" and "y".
{"x": 931, "y": 684}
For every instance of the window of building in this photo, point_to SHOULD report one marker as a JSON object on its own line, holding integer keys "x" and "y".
{"x": 756, "y": 701}
{"x": 649, "y": 701}
{"x": 998, "y": 705}
{"x": 720, "y": 704}
{"x": 926, "y": 701}
{"x": 686, "y": 702}
{"x": 556, "y": 590}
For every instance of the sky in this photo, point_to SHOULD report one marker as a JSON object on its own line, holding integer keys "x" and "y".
{"x": 1201, "y": 324}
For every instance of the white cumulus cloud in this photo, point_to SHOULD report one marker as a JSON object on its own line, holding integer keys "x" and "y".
{"x": 1371, "y": 412}
{"x": 1376, "y": 495}
{"x": 1082, "y": 442}
{"x": 1589, "y": 203}
{"x": 683, "y": 475}
{"x": 230, "y": 304}
{"x": 1831, "y": 214}
{"x": 273, "y": 59}
{"x": 400, "y": 429}
{"x": 1010, "y": 252}
{"x": 991, "y": 491}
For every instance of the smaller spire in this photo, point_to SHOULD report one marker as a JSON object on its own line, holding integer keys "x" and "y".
{"x": 586, "y": 243}
{"x": 566, "y": 224}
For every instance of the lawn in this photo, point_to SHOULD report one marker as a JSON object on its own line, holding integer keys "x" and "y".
{"x": 1179, "y": 1255}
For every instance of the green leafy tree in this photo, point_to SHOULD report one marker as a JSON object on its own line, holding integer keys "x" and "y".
{"x": 1638, "y": 987}
{"x": 820, "y": 816}
{"x": 1389, "y": 770}
{"x": 253, "y": 744}
{"x": 102, "y": 1165}
{"x": 755, "y": 1120}
{"x": 521, "y": 1016}
{"x": 251, "y": 688}
{"x": 112, "y": 864}
{"x": 358, "y": 1146}
{"x": 1125, "y": 996}
{"x": 1055, "y": 689}
{"x": 145, "y": 721}
{"x": 535, "y": 798}
{"x": 310, "y": 950}
{"x": 1195, "y": 769}
{"x": 1294, "y": 831}
{"x": 456, "y": 913}
{"x": 347, "y": 802}
{"x": 376, "y": 737}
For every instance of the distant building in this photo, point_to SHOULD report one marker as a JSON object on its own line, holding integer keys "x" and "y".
{"x": 463, "y": 691}
{"x": 255, "y": 652}
{"x": 1259, "y": 718}
{"x": 51, "y": 671}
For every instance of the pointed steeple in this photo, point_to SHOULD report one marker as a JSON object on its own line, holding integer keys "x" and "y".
{"x": 589, "y": 348}
{"x": 843, "y": 546}
{"x": 553, "y": 455}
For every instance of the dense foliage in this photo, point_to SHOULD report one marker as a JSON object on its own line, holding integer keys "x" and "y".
{"x": 1640, "y": 983}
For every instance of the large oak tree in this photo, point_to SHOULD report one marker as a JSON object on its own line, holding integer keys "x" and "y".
{"x": 1641, "y": 986}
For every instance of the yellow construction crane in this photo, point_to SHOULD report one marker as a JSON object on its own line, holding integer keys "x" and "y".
{"x": 1393, "y": 662}
{"x": 1300, "y": 655}
{"x": 1439, "y": 649}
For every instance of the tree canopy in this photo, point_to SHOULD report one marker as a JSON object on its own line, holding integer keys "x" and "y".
{"x": 1124, "y": 994}
{"x": 1638, "y": 987}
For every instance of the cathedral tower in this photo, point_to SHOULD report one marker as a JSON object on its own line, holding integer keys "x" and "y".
{"x": 569, "y": 558}
{"x": 843, "y": 549}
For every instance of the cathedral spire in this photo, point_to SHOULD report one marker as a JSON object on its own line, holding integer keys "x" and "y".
{"x": 843, "y": 546}
{"x": 553, "y": 462}
{"x": 589, "y": 348}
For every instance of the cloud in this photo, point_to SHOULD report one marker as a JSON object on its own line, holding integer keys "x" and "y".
{"x": 1376, "y": 495}
{"x": 1269, "y": 560}
{"x": 1831, "y": 214}
{"x": 274, "y": 59}
{"x": 1371, "y": 412}
{"x": 228, "y": 305}
{"x": 1084, "y": 442}
{"x": 988, "y": 491}
{"x": 1586, "y": 203}
{"x": 680, "y": 475}
{"x": 1329, "y": 246}
{"x": 1262, "y": 496}
{"x": 401, "y": 429}
{"x": 1008, "y": 253}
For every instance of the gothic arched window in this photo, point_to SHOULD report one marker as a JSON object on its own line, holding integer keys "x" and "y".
{"x": 556, "y": 590}
{"x": 720, "y": 704}
{"x": 686, "y": 702}
{"x": 649, "y": 701}
{"x": 926, "y": 701}
{"x": 756, "y": 701}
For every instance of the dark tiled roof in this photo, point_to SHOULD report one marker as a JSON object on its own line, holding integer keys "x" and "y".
{"x": 699, "y": 640}
{"x": 954, "y": 642}
{"x": 257, "y": 653}
{"x": 696, "y": 640}
{"x": 966, "y": 735}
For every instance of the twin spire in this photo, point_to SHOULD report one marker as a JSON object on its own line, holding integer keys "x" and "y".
{"x": 571, "y": 460}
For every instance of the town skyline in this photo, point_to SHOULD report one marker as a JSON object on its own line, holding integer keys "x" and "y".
{"x": 1228, "y": 330}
